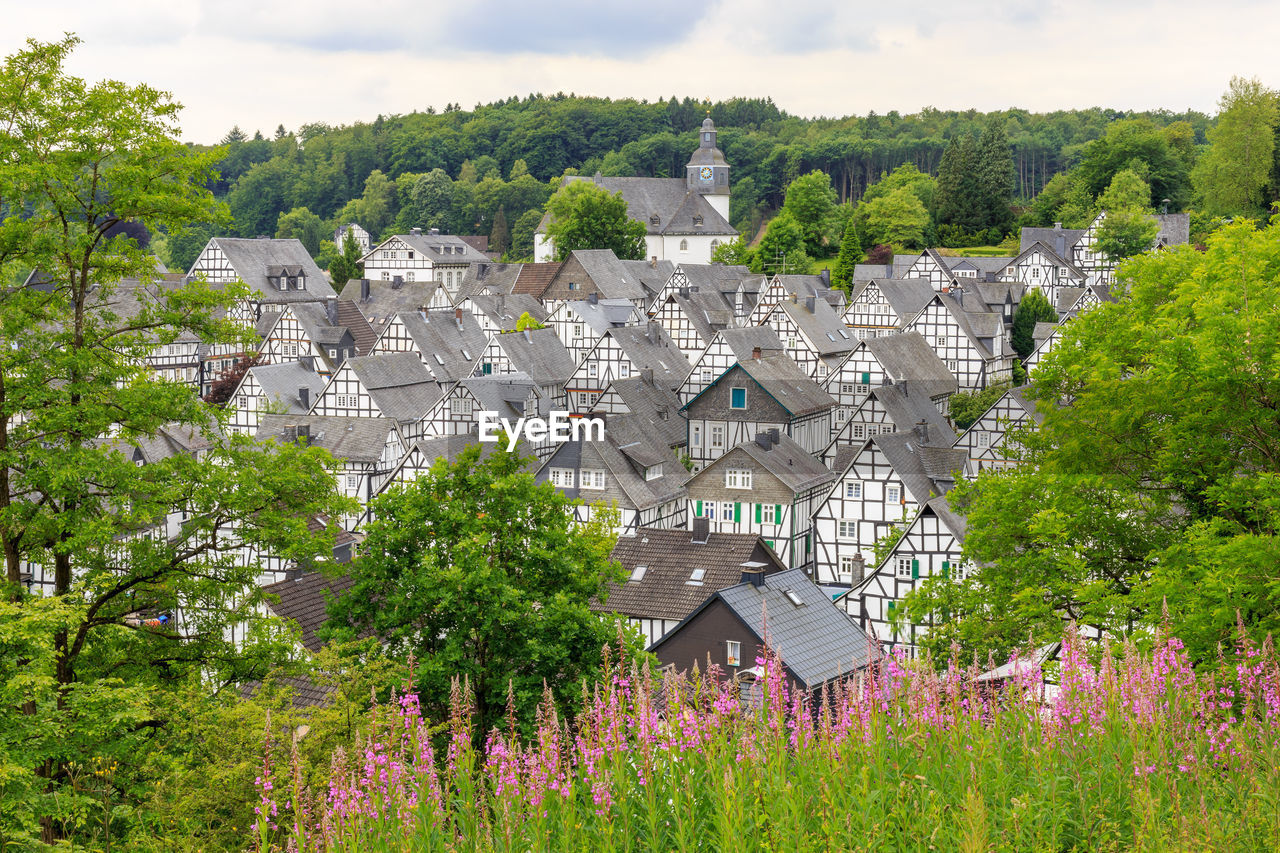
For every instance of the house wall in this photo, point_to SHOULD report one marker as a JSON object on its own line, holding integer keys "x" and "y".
{"x": 706, "y": 636}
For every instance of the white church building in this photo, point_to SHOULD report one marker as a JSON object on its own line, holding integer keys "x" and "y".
{"x": 685, "y": 219}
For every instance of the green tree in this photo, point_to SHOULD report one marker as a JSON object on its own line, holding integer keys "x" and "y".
{"x": 304, "y": 226}
{"x": 850, "y": 255}
{"x": 1139, "y": 146}
{"x": 781, "y": 248}
{"x": 811, "y": 201}
{"x": 959, "y": 196}
{"x": 527, "y": 321}
{"x": 586, "y": 216}
{"x": 522, "y": 234}
{"x": 83, "y": 683}
{"x": 1156, "y": 487}
{"x": 1231, "y": 175}
{"x": 347, "y": 266}
{"x": 967, "y": 406}
{"x": 500, "y": 236}
{"x": 1129, "y": 227}
{"x": 479, "y": 571}
{"x": 994, "y": 161}
{"x": 735, "y": 252}
{"x": 897, "y": 219}
{"x": 906, "y": 175}
{"x": 1034, "y": 308}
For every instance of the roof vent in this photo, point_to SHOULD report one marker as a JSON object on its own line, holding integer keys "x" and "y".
{"x": 755, "y": 577}
{"x": 701, "y": 531}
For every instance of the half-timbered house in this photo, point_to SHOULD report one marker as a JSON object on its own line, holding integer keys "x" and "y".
{"x": 1042, "y": 268}
{"x": 692, "y": 317}
{"x": 990, "y": 443}
{"x": 726, "y": 349}
{"x": 598, "y": 271}
{"x": 581, "y": 323}
{"x": 881, "y": 307}
{"x": 972, "y": 345}
{"x": 890, "y": 408}
{"x": 286, "y": 388}
{"x": 535, "y": 353}
{"x": 621, "y": 353}
{"x": 897, "y": 358}
{"x": 450, "y": 344}
{"x": 416, "y": 257}
{"x": 501, "y": 312}
{"x": 391, "y": 385}
{"x": 643, "y": 400}
{"x": 812, "y": 333}
{"x": 378, "y": 301}
{"x": 310, "y": 330}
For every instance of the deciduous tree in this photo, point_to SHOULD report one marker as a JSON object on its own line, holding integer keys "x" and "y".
{"x": 1231, "y": 175}
{"x": 586, "y": 216}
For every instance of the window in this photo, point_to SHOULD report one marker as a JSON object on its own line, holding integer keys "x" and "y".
{"x": 893, "y": 494}
{"x": 861, "y": 390}
{"x": 408, "y": 276}
{"x": 848, "y": 529}
{"x": 386, "y": 275}
{"x": 859, "y": 432}
{"x": 942, "y": 340}
{"x": 846, "y": 569}
{"x": 588, "y": 398}
{"x": 242, "y": 401}
{"x": 841, "y": 415}
{"x": 853, "y": 490}
{"x": 847, "y": 388}
{"x": 733, "y": 652}
{"x": 708, "y": 375}
{"x": 695, "y": 436}
{"x": 791, "y": 343}
{"x": 768, "y": 513}
{"x": 717, "y": 437}
{"x": 684, "y": 245}
{"x": 624, "y": 370}
{"x": 696, "y": 577}
{"x": 351, "y": 482}
{"x": 562, "y": 477}
{"x": 577, "y": 330}
{"x": 737, "y": 478}
{"x": 592, "y": 478}
{"x": 333, "y": 353}
{"x": 593, "y": 369}
{"x": 709, "y": 510}
{"x": 953, "y": 366}
{"x": 653, "y": 472}
{"x": 903, "y": 568}
{"x": 793, "y": 597}
{"x": 983, "y": 438}
{"x": 461, "y": 405}
{"x": 573, "y": 285}
{"x": 637, "y": 574}
{"x": 737, "y": 398}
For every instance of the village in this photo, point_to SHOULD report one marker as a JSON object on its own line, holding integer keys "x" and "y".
{"x": 773, "y": 443}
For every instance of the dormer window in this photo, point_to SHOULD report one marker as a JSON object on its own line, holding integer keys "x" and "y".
{"x": 655, "y": 220}
{"x": 697, "y": 220}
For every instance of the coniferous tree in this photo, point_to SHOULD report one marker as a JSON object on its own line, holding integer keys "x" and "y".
{"x": 995, "y": 175}
{"x": 850, "y": 255}
{"x": 500, "y": 236}
{"x": 958, "y": 198}
{"x": 1034, "y": 308}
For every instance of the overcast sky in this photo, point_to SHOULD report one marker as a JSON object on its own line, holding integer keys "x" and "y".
{"x": 260, "y": 63}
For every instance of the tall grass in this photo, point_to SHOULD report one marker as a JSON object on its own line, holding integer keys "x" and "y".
{"x": 1139, "y": 752}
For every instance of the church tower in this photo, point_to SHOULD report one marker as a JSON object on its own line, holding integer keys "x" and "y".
{"x": 707, "y": 172}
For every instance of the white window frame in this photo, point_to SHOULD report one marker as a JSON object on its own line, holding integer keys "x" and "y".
{"x": 737, "y": 478}
{"x": 853, "y": 490}
{"x": 733, "y": 653}
{"x": 591, "y": 478}
{"x": 562, "y": 477}
{"x": 847, "y": 529}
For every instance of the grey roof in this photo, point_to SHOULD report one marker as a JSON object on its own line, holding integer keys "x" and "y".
{"x": 907, "y": 409}
{"x": 1042, "y": 331}
{"x": 665, "y": 590}
{"x": 540, "y": 354}
{"x": 398, "y": 382}
{"x": 786, "y": 460}
{"x": 782, "y": 380}
{"x": 1175, "y": 229}
{"x": 908, "y": 358}
{"x": 725, "y": 278}
{"x": 652, "y": 274}
{"x": 926, "y": 472}
{"x": 650, "y": 347}
{"x": 653, "y": 405}
{"x": 821, "y": 325}
{"x": 387, "y": 299}
{"x": 350, "y": 439}
{"x": 1061, "y": 259}
{"x": 669, "y": 199}
{"x": 451, "y": 342}
{"x": 816, "y": 640}
{"x": 603, "y": 314}
{"x": 743, "y": 341}
{"x": 1049, "y": 237}
{"x": 981, "y": 263}
{"x": 503, "y": 394}
{"x": 444, "y": 248}
{"x": 489, "y": 278}
{"x": 504, "y": 310}
{"x": 628, "y": 448}
{"x": 611, "y": 276}
{"x": 281, "y": 383}
{"x": 707, "y": 310}
{"x": 254, "y": 259}
{"x": 1067, "y": 298}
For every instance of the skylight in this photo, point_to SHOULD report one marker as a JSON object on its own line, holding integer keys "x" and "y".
{"x": 438, "y": 359}
{"x": 793, "y": 598}
{"x": 695, "y": 579}
{"x": 637, "y": 574}
{"x": 466, "y": 355}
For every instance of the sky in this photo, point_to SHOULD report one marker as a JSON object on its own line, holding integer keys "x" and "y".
{"x": 261, "y": 63}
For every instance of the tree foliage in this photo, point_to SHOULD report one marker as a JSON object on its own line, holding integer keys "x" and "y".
{"x": 305, "y": 227}
{"x": 347, "y": 266}
{"x": 587, "y": 216}
{"x": 781, "y": 248}
{"x": 811, "y": 202}
{"x": 1155, "y": 488}
{"x": 1034, "y": 308}
{"x": 479, "y": 571}
{"x": 897, "y": 219}
{"x": 850, "y": 255}
{"x": 1231, "y": 175}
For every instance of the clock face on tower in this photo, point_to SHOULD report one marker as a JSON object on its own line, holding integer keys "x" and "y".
{"x": 705, "y": 173}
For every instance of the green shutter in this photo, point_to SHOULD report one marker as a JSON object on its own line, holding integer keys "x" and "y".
{"x": 737, "y": 513}
{"x": 697, "y": 509}
{"x": 891, "y": 605}
{"x": 866, "y": 378}
{"x": 759, "y": 507}
{"x": 946, "y": 569}
{"x": 915, "y": 569}
{"x": 777, "y": 513}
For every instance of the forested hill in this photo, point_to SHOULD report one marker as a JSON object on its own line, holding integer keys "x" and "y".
{"x": 507, "y": 154}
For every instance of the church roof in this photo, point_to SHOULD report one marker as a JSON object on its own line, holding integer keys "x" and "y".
{"x": 668, "y": 199}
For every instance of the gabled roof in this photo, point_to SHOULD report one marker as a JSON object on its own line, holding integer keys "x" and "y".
{"x": 1050, "y": 237}
{"x": 907, "y": 408}
{"x": 908, "y": 358}
{"x": 653, "y": 405}
{"x": 743, "y": 341}
{"x": 925, "y": 471}
{"x": 1050, "y": 254}
{"x": 780, "y": 378}
{"x": 539, "y": 354}
{"x": 252, "y": 261}
{"x": 491, "y": 278}
{"x": 442, "y": 248}
{"x": 504, "y": 310}
{"x": 505, "y": 394}
{"x": 820, "y": 324}
{"x": 387, "y": 299}
{"x": 628, "y": 448}
{"x": 602, "y": 314}
{"x": 533, "y": 279}
{"x": 786, "y": 460}
{"x": 650, "y": 347}
{"x": 349, "y": 439}
{"x": 281, "y": 383}
{"x": 363, "y": 334}
{"x": 669, "y": 199}
{"x": 611, "y": 277}
{"x": 816, "y": 640}
{"x": 303, "y": 600}
{"x": 651, "y": 274}
{"x": 398, "y": 382}
{"x": 664, "y": 589}
{"x": 450, "y": 342}
{"x": 724, "y": 278}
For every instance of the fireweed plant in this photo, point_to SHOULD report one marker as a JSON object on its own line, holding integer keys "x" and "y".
{"x": 1136, "y": 752}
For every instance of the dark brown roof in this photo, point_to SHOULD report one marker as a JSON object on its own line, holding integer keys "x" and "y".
{"x": 670, "y": 556}
{"x": 479, "y": 242}
{"x": 304, "y": 692}
{"x": 363, "y": 334}
{"x": 303, "y": 601}
{"x": 533, "y": 279}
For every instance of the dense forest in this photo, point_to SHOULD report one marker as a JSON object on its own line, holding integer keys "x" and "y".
{"x": 456, "y": 169}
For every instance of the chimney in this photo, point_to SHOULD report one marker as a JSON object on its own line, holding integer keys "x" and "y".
{"x": 809, "y": 303}
{"x": 304, "y": 433}
{"x": 825, "y": 275}
{"x": 291, "y": 432}
{"x": 364, "y": 290}
{"x": 653, "y": 261}
{"x": 417, "y": 232}
{"x": 684, "y": 293}
{"x": 922, "y": 431}
{"x": 593, "y": 298}
{"x": 775, "y": 435}
{"x": 755, "y": 353}
{"x": 434, "y": 232}
{"x": 1060, "y": 244}
{"x": 763, "y": 440}
{"x": 309, "y": 362}
{"x": 457, "y": 317}
{"x": 331, "y": 309}
{"x": 795, "y": 297}
{"x": 859, "y": 567}
{"x": 652, "y": 332}
{"x": 528, "y": 335}
{"x": 701, "y": 531}
{"x": 753, "y": 576}
{"x": 646, "y": 375}
{"x": 304, "y": 397}
{"x": 888, "y": 269}
{"x": 502, "y": 304}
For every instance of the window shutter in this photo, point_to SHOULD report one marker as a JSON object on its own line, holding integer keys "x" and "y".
{"x": 737, "y": 512}
{"x": 759, "y": 507}
{"x": 697, "y": 509}
{"x": 946, "y": 569}
{"x": 777, "y": 513}
{"x": 866, "y": 377}
{"x": 915, "y": 569}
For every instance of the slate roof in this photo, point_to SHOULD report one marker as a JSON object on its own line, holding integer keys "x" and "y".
{"x": 443, "y": 248}
{"x": 1051, "y": 254}
{"x": 538, "y": 353}
{"x": 504, "y": 310}
{"x": 650, "y": 347}
{"x": 743, "y": 341}
{"x": 1042, "y": 331}
{"x": 782, "y": 380}
{"x": 489, "y": 278}
{"x": 302, "y": 600}
{"x": 722, "y": 277}
{"x": 280, "y": 384}
{"x": 386, "y": 299}
{"x": 669, "y": 198}
{"x": 1049, "y": 237}
{"x": 816, "y": 640}
{"x": 648, "y": 401}
{"x": 652, "y": 275}
{"x": 450, "y": 342}
{"x": 665, "y": 590}
{"x": 503, "y": 394}
{"x": 1175, "y": 229}
{"x": 925, "y": 472}
{"x": 627, "y": 449}
{"x": 305, "y": 692}
{"x": 251, "y": 258}
{"x": 611, "y": 276}
{"x": 821, "y": 326}
{"x": 908, "y": 358}
{"x": 398, "y": 382}
{"x": 129, "y": 297}
{"x": 907, "y": 409}
{"x": 349, "y": 439}
{"x": 786, "y": 460}
{"x": 602, "y": 315}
